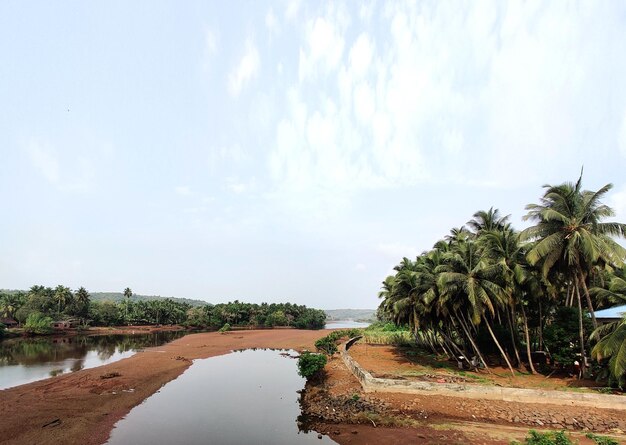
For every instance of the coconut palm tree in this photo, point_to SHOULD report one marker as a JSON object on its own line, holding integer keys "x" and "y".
{"x": 489, "y": 220}
{"x": 62, "y": 295}
{"x": 616, "y": 291}
{"x": 82, "y": 301}
{"x": 570, "y": 236}
{"x": 469, "y": 283}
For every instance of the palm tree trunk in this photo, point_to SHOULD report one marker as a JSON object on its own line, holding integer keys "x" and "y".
{"x": 540, "y": 332}
{"x": 474, "y": 345}
{"x": 580, "y": 331}
{"x": 511, "y": 318}
{"x": 581, "y": 277}
{"x": 530, "y": 358}
{"x": 462, "y": 354}
{"x": 498, "y": 345}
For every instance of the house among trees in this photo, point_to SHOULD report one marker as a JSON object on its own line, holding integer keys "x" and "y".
{"x": 64, "y": 324}
{"x": 8, "y": 322}
{"x": 611, "y": 314}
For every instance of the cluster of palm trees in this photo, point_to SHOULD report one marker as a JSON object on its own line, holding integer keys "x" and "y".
{"x": 488, "y": 281}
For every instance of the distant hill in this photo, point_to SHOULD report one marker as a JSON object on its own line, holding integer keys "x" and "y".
{"x": 351, "y": 314}
{"x": 119, "y": 296}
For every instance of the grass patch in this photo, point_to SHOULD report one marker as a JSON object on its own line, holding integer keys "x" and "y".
{"x": 384, "y": 420}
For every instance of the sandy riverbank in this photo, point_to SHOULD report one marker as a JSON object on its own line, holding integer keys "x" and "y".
{"x": 82, "y": 407}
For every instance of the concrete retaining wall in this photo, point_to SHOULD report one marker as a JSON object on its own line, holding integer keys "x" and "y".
{"x": 374, "y": 384}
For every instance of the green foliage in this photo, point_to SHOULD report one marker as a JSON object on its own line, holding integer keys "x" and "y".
{"x": 561, "y": 336}
{"x": 310, "y": 364}
{"x": 37, "y": 323}
{"x": 549, "y": 438}
{"x": 601, "y": 440}
{"x": 277, "y": 318}
{"x": 225, "y": 328}
{"x": 380, "y": 326}
{"x": 488, "y": 289}
{"x": 2, "y": 329}
{"x": 328, "y": 344}
{"x": 611, "y": 350}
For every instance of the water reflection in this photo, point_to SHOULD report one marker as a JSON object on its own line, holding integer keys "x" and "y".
{"x": 26, "y": 360}
{"x": 248, "y": 397}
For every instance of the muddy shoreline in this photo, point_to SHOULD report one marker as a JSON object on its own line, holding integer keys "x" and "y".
{"x": 82, "y": 407}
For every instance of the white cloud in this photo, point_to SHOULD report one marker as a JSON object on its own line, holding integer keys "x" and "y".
{"x": 183, "y": 190}
{"x": 246, "y": 70}
{"x": 446, "y": 95}
{"x": 44, "y": 159}
{"x": 211, "y": 40}
{"x": 271, "y": 22}
{"x": 359, "y": 267}
{"x": 323, "y": 49}
{"x": 237, "y": 186}
{"x": 293, "y": 7}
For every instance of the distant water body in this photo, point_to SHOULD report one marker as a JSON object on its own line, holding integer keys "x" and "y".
{"x": 345, "y": 324}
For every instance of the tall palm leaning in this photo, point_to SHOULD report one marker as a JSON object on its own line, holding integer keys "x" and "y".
{"x": 570, "y": 236}
{"x": 468, "y": 279}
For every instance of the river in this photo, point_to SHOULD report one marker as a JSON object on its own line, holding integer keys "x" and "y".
{"x": 241, "y": 398}
{"x": 26, "y": 360}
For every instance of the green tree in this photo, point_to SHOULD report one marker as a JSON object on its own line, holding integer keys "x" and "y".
{"x": 62, "y": 295}
{"x": 570, "y": 239}
{"x": 612, "y": 346}
{"x": 570, "y": 235}
{"x": 471, "y": 284}
{"x": 82, "y": 299}
{"x": 128, "y": 293}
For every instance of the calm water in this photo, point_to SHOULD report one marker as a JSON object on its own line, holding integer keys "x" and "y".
{"x": 247, "y": 397}
{"x": 345, "y": 324}
{"x": 26, "y": 360}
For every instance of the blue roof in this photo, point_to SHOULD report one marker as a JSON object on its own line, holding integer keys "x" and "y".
{"x": 612, "y": 312}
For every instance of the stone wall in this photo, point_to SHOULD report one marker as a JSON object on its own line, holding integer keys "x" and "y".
{"x": 374, "y": 384}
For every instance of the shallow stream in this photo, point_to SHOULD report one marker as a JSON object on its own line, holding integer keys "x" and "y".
{"x": 246, "y": 397}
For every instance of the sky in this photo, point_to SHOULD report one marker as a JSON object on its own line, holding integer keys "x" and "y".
{"x": 289, "y": 150}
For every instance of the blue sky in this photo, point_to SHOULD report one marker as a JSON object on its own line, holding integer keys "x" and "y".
{"x": 289, "y": 151}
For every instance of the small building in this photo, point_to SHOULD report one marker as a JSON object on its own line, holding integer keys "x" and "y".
{"x": 61, "y": 324}
{"x": 8, "y": 322}
{"x": 611, "y": 314}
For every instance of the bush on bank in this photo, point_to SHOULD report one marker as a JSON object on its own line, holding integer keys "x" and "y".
{"x": 310, "y": 364}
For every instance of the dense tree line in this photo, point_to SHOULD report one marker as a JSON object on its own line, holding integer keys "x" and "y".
{"x": 489, "y": 290}
{"x": 61, "y": 303}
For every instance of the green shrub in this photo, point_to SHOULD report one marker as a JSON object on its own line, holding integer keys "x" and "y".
{"x": 37, "y": 323}
{"x": 225, "y": 328}
{"x": 549, "y": 438}
{"x": 602, "y": 440}
{"x": 310, "y": 364}
{"x": 328, "y": 344}
{"x": 2, "y": 328}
